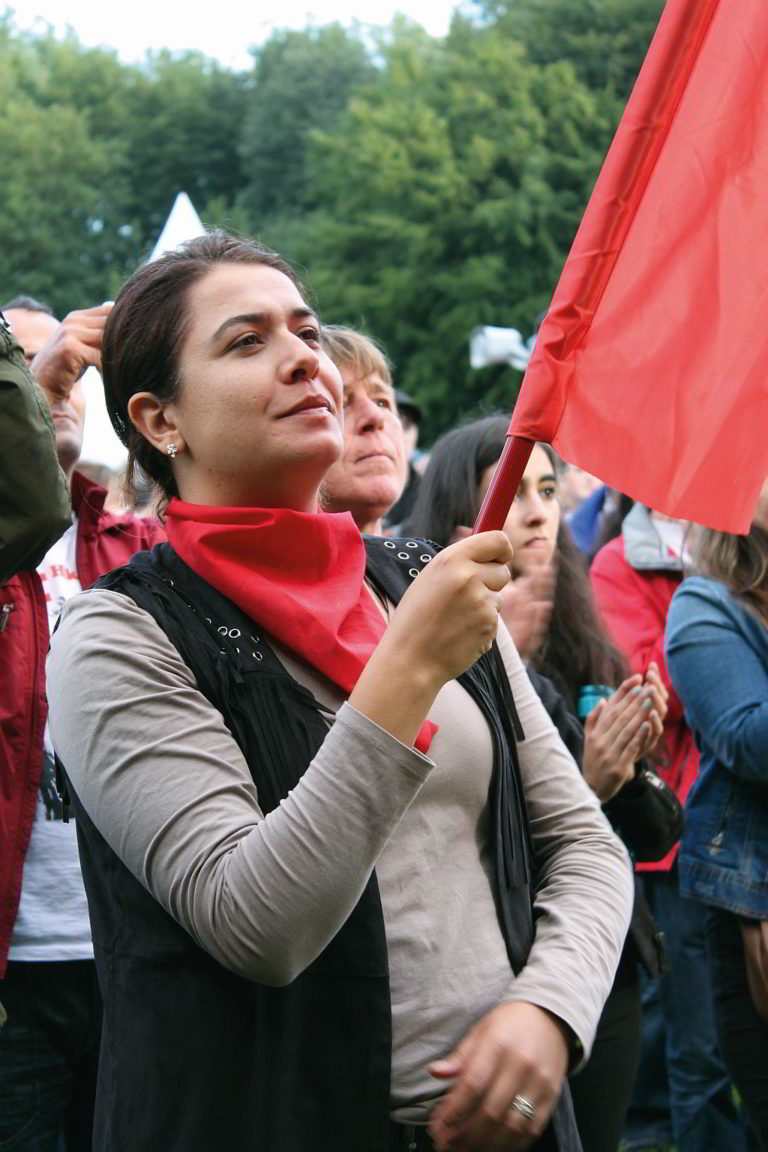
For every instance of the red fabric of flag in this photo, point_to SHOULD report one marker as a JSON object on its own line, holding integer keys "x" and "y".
{"x": 651, "y": 368}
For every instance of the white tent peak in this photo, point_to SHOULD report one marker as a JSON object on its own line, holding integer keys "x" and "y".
{"x": 100, "y": 444}
{"x": 182, "y": 224}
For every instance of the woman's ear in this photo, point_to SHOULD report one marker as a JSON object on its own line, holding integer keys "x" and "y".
{"x": 155, "y": 422}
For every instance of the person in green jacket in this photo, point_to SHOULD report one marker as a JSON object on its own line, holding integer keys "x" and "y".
{"x": 34, "y": 500}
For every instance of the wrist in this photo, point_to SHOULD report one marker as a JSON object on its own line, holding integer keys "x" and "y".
{"x": 573, "y": 1049}
{"x": 401, "y": 665}
{"x": 592, "y": 778}
{"x": 396, "y": 691}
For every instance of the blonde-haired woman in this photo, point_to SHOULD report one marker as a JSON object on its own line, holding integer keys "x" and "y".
{"x": 717, "y": 655}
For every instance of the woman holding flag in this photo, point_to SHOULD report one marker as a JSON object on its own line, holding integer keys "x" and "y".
{"x": 390, "y": 928}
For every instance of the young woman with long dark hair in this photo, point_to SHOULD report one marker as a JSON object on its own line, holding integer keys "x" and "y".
{"x": 347, "y": 889}
{"x": 550, "y": 613}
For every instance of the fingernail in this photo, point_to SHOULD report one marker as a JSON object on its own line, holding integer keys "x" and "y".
{"x": 636, "y": 691}
{"x": 647, "y": 703}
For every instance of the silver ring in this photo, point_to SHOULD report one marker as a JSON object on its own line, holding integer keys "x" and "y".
{"x": 524, "y": 1106}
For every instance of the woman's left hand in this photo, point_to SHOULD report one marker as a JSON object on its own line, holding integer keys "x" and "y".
{"x": 653, "y": 682}
{"x": 516, "y": 1050}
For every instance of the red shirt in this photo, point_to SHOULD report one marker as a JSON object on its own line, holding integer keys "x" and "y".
{"x": 104, "y": 541}
{"x": 633, "y": 604}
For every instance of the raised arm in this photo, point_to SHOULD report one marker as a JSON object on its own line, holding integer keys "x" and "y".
{"x": 34, "y": 501}
{"x": 263, "y": 895}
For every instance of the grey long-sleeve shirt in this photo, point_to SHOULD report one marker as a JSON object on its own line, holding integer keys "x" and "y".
{"x": 167, "y": 786}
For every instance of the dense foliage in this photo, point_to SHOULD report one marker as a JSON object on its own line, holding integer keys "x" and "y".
{"x": 424, "y": 186}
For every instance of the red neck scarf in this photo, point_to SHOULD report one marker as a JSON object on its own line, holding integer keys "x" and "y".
{"x": 300, "y": 576}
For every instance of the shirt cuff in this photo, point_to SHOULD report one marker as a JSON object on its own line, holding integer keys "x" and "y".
{"x": 402, "y": 756}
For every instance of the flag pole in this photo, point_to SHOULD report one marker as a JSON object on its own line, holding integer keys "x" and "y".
{"x": 505, "y": 483}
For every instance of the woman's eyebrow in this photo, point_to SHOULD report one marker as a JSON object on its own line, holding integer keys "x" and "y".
{"x": 381, "y": 389}
{"x": 257, "y": 318}
{"x": 550, "y": 478}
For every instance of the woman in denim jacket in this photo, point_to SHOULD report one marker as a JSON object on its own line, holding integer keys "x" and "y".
{"x": 717, "y": 655}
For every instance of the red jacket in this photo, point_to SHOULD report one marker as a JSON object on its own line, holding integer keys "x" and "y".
{"x": 634, "y": 577}
{"x": 104, "y": 542}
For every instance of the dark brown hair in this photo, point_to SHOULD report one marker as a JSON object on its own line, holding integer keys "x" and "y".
{"x": 576, "y": 650}
{"x": 145, "y": 331}
{"x": 741, "y": 562}
{"x": 448, "y": 495}
{"x": 26, "y": 304}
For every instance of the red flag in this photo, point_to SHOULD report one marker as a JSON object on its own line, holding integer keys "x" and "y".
{"x": 651, "y": 368}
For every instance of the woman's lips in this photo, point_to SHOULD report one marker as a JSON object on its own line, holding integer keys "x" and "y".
{"x": 306, "y": 412}
{"x": 309, "y": 406}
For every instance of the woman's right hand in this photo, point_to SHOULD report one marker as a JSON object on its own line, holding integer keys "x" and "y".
{"x": 616, "y": 734}
{"x": 450, "y": 614}
{"x": 446, "y": 620}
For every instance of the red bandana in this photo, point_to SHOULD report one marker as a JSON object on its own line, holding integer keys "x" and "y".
{"x": 300, "y": 576}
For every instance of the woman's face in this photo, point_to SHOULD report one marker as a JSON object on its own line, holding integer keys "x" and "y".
{"x": 534, "y": 518}
{"x": 259, "y": 409}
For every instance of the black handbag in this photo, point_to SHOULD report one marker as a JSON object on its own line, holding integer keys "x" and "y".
{"x": 647, "y": 815}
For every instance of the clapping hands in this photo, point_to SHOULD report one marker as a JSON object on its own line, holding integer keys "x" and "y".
{"x": 622, "y": 730}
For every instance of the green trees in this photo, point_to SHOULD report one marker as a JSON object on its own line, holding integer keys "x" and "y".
{"x": 93, "y": 154}
{"x": 604, "y": 40}
{"x": 447, "y": 197}
{"x": 423, "y": 186}
{"x": 50, "y": 205}
{"x": 301, "y": 82}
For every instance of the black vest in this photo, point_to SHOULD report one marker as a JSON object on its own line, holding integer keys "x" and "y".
{"x": 195, "y": 1058}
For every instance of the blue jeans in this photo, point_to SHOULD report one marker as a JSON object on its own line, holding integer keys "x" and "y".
{"x": 49, "y": 1050}
{"x": 682, "y": 1093}
{"x": 743, "y": 1034}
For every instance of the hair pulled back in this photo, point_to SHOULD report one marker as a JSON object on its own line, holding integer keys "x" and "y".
{"x": 145, "y": 331}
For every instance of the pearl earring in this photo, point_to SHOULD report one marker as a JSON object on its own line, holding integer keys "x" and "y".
{"x": 171, "y": 449}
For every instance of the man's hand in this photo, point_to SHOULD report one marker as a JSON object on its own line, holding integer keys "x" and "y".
{"x": 517, "y": 1049}
{"x": 74, "y": 346}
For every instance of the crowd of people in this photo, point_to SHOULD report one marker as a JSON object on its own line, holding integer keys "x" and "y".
{"x": 329, "y": 825}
